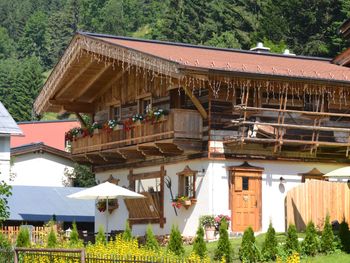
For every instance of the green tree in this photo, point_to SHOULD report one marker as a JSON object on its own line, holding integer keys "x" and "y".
{"x": 151, "y": 241}
{"x": 309, "y": 246}
{"x": 101, "y": 237}
{"x": 74, "y": 236}
{"x": 248, "y": 251}
{"x": 175, "y": 244}
{"x": 223, "y": 249}
{"x": 5, "y": 192}
{"x": 327, "y": 239}
{"x": 199, "y": 246}
{"x": 52, "y": 239}
{"x": 344, "y": 235}
{"x": 127, "y": 234}
{"x": 7, "y": 45}
{"x": 80, "y": 176}
{"x": 292, "y": 243}
{"x": 23, "y": 239}
{"x": 269, "y": 249}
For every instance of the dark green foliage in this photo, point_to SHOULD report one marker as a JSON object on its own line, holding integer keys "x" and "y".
{"x": 344, "y": 236}
{"x": 5, "y": 192}
{"x": 23, "y": 239}
{"x": 327, "y": 239}
{"x": 292, "y": 243}
{"x": 74, "y": 236}
{"x": 309, "y": 246}
{"x": 4, "y": 242}
{"x": 223, "y": 249}
{"x": 151, "y": 241}
{"x": 248, "y": 251}
{"x": 175, "y": 244}
{"x": 269, "y": 249}
{"x": 80, "y": 176}
{"x": 199, "y": 246}
{"x": 101, "y": 237}
{"x": 127, "y": 234}
{"x": 52, "y": 239}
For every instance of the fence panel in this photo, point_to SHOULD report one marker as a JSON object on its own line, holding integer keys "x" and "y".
{"x": 314, "y": 199}
{"x": 38, "y": 233}
{"x": 32, "y": 255}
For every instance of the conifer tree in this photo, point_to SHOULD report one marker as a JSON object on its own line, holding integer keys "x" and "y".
{"x": 23, "y": 239}
{"x": 327, "y": 239}
{"x": 127, "y": 234}
{"x": 199, "y": 246}
{"x": 52, "y": 239}
{"x": 292, "y": 243}
{"x": 74, "y": 236}
{"x": 151, "y": 241}
{"x": 269, "y": 249}
{"x": 223, "y": 249}
{"x": 101, "y": 237}
{"x": 310, "y": 243}
{"x": 344, "y": 235}
{"x": 175, "y": 244}
{"x": 248, "y": 251}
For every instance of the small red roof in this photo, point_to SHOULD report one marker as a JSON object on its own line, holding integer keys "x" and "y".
{"x": 50, "y": 133}
{"x": 235, "y": 60}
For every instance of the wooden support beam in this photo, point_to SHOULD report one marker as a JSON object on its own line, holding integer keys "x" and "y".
{"x": 76, "y": 76}
{"x": 81, "y": 120}
{"x": 161, "y": 201}
{"x": 91, "y": 81}
{"x": 196, "y": 103}
{"x": 74, "y": 106}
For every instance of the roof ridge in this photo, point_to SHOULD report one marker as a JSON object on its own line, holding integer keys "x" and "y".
{"x": 47, "y": 121}
{"x": 202, "y": 46}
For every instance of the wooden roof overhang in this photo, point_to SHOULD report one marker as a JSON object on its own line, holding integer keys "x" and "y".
{"x": 88, "y": 68}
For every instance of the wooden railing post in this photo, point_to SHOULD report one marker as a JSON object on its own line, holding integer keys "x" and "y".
{"x": 15, "y": 256}
{"x": 82, "y": 256}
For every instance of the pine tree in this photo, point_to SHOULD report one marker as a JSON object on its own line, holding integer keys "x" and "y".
{"x": 199, "y": 246}
{"x": 310, "y": 243}
{"x": 74, "y": 236}
{"x": 344, "y": 235}
{"x": 52, "y": 239}
{"x": 248, "y": 251}
{"x": 327, "y": 239}
{"x": 269, "y": 249}
{"x": 23, "y": 239}
{"x": 127, "y": 234}
{"x": 151, "y": 241}
{"x": 101, "y": 237}
{"x": 175, "y": 244}
{"x": 292, "y": 243}
{"x": 223, "y": 249}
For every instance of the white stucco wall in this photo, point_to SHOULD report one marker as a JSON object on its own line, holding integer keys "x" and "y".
{"x": 212, "y": 193}
{"x": 4, "y": 157}
{"x": 39, "y": 169}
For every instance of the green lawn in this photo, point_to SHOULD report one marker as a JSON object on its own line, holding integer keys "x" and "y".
{"x": 236, "y": 242}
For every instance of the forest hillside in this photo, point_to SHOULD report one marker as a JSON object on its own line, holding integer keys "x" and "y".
{"x": 34, "y": 33}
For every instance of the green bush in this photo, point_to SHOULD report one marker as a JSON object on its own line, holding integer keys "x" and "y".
{"x": 175, "y": 244}
{"x": 199, "y": 246}
{"x": 151, "y": 241}
{"x": 101, "y": 237}
{"x": 309, "y": 246}
{"x": 248, "y": 251}
{"x": 292, "y": 243}
{"x": 52, "y": 239}
{"x": 327, "y": 239}
{"x": 4, "y": 242}
{"x": 127, "y": 234}
{"x": 223, "y": 249}
{"x": 269, "y": 249}
{"x": 74, "y": 236}
{"x": 23, "y": 239}
{"x": 344, "y": 236}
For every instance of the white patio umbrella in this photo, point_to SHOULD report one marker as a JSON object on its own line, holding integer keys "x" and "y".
{"x": 340, "y": 173}
{"x": 106, "y": 191}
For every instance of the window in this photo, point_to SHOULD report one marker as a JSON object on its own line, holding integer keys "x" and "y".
{"x": 187, "y": 183}
{"x": 115, "y": 113}
{"x": 245, "y": 183}
{"x": 144, "y": 105}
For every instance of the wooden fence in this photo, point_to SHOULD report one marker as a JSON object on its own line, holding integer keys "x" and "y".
{"x": 314, "y": 199}
{"x": 38, "y": 233}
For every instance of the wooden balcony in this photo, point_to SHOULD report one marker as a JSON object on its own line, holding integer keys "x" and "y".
{"x": 178, "y": 133}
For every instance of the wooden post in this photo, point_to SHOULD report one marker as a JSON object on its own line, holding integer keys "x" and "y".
{"x": 161, "y": 205}
{"x": 15, "y": 256}
{"x": 82, "y": 256}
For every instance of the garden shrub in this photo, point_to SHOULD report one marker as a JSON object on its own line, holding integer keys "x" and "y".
{"x": 327, "y": 239}
{"x": 199, "y": 246}
{"x": 74, "y": 236}
{"x": 292, "y": 243}
{"x": 23, "y": 239}
{"x": 269, "y": 249}
{"x": 293, "y": 258}
{"x": 175, "y": 244}
{"x": 101, "y": 237}
{"x": 127, "y": 234}
{"x": 248, "y": 251}
{"x": 310, "y": 243}
{"x": 52, "y": 239}
{"x": 4, "y": 242}
{"x": 344, "y": 236}
{"x": 151, "y": 241}
{"x": 223, "y": 249}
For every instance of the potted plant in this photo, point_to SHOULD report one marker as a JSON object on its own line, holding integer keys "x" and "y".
{"x": 112, "y": 205}
{"x": 158, "y": 114}
{"x": 137, "y": 118}
{"x": 182, "y": 201}
{"x": 208, "y": 222}
{"x": 95, "y": 127}
{"x": 219, "y": 219}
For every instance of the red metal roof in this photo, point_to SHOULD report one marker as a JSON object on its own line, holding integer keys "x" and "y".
{"x": 51, "y": 133}
{"x": 236, "y": 60}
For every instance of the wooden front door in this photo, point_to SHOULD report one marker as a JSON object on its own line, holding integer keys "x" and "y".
{"x": 245, "y": 200}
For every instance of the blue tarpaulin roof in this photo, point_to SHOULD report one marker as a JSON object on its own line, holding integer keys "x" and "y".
{"x": 39, "y": 203}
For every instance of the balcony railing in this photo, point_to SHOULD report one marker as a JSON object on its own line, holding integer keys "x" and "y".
{"x": 179, "y": 124}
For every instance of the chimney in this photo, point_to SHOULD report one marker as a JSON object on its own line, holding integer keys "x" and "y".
{"x": 286, "y": 52}
{"x": 260, "y": 48}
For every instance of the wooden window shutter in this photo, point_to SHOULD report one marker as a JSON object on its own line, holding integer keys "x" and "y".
{"x": 238, "y": 183}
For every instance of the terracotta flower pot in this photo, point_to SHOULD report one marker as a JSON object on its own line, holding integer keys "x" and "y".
{"x": 210, "y": 232}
